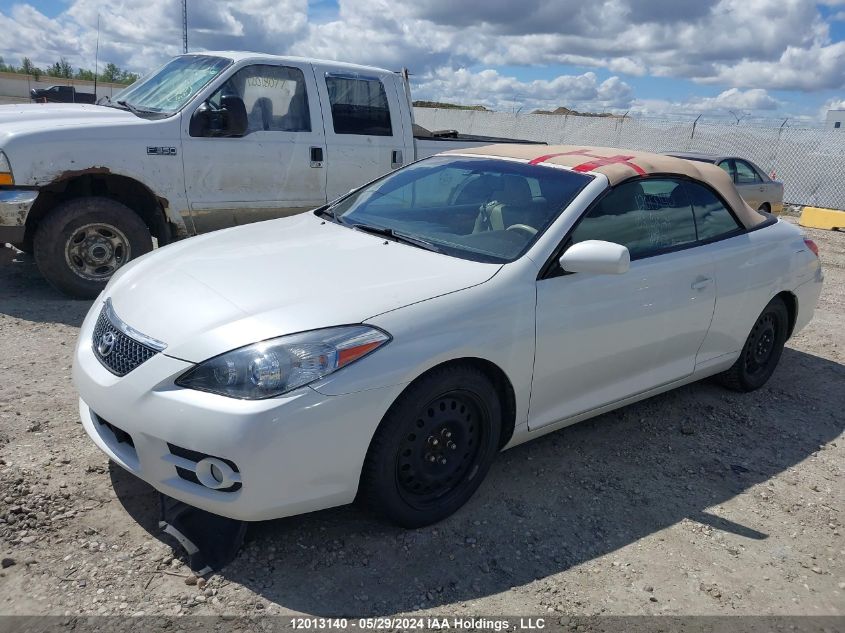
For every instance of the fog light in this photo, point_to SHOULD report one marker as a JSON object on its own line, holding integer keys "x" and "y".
{"x": 216, "y": 474}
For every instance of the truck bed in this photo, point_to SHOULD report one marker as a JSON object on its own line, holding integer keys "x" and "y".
{"x": 427, "y": 143}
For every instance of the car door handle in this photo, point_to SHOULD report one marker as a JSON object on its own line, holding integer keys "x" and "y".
{"x": 701, "y": 283}
{"x": 316, "y": 157}
{"x": 396, "y": 159}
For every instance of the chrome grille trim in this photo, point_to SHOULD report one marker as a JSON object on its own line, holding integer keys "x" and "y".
{"x": 128, "y": 348}
{"x": 131, "y": 332}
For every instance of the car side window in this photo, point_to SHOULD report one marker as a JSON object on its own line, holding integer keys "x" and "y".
{"x": 712, "y": 218}
{"x": 647, "y": 216}
{"x": 275, "y": 97}
{"x": 359, "y": 105}
{"x": 746, "y": 174}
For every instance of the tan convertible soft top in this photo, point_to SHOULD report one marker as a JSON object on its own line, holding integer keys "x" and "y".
{"x": 621, "y": 164}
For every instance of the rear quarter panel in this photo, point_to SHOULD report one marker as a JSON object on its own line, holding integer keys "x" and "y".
{"x": 750, "y": 270}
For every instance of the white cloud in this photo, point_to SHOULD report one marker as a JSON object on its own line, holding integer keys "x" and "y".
{"x": 491, "y": 89}
{"x": 746, "y": 45}
{"x": 735, "y": 99}
{"x": 750, "y": 103}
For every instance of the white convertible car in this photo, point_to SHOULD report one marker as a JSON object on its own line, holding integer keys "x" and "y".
{"x": 390, "y": 344}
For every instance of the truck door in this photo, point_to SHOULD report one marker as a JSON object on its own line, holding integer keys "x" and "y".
{"x": 364, "y": 129}
{"x": 271, "y": 171}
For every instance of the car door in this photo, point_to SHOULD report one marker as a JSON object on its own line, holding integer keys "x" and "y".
{"x": 268, "y": 172}
{"x": 363, "y": 127}
{"x": 749, "y": 184}
{"x": 603, "y": 338}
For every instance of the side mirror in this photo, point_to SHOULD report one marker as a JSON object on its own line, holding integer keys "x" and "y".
{"x": 200, "y": 123}
{"x": 235, "y": 117}
{"x": 597, "y": 257}
{"x": 228, "y": 120}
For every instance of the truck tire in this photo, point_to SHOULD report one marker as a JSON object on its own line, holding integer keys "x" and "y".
{"x": 82, "y": 242}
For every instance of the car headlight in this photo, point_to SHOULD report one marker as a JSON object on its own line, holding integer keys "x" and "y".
{"x": 6, "y": 177}
{"x": 276, "y": 366}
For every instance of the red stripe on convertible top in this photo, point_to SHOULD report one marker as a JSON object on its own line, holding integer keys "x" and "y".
{"x": 543, "y": 159}
{"x": 612, "y": 160}
{"x": 598, "y": 161}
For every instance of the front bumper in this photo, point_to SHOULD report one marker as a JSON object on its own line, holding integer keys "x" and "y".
{"x": 293, "y": 454}
{"x": 14, "y": 208}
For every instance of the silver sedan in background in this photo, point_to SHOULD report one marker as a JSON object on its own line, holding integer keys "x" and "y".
{"x": 755, "y": 187}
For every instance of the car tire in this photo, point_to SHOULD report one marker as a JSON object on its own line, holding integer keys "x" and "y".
{"x": 762, "y": 350}
{"x": 433, "y": 447}
{"x": 83, "y": 241}
{"x": 765, "y": 208}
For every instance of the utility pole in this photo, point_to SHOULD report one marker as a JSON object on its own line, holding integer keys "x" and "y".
{"x": 184, "y": 26}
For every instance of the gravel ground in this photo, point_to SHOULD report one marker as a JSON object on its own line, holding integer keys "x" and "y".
{"x": 699, "y": 501}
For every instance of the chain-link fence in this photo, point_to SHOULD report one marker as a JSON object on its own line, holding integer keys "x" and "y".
{"x": 809, "y": 161}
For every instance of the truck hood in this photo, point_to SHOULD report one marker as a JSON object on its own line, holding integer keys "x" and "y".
{"x": 26, "y": 117}
{"x": 214, "y": 293}
{"x": 24, "y": 121}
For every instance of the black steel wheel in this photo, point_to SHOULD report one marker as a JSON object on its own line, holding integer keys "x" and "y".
{"x": 433, "y": 447}
{"x": 762, "y": 349}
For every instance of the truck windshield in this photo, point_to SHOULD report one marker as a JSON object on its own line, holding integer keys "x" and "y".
{"x": 483, "y": 209}
{"x": 169, "y": 88}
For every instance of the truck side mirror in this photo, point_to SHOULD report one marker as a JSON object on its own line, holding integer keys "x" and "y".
{"x": 229, "y": 119}
{"x": 235, "y": 118}
{"x": 200, "y": 123}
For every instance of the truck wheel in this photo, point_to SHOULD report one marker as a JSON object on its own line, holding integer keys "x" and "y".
{"x": 433, "y": 447}
{"x": 82, "y": 242}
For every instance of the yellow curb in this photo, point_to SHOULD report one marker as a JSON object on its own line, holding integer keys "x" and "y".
{"x": 818, "y": 218}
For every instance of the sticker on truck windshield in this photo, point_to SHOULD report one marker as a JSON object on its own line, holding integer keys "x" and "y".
{"x": 161, "y": 151}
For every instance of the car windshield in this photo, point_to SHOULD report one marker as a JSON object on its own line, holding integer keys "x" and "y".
{"x": 482, "y": 209}
{"x": 169, "y": 88}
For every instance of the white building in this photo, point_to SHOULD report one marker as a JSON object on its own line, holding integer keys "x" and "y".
{"x": 835, "y": 120}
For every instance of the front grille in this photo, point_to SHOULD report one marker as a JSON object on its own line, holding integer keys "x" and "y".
{"x": 118, "y": 352}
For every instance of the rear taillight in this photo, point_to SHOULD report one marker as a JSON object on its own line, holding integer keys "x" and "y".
{"x": 812, "y": 246}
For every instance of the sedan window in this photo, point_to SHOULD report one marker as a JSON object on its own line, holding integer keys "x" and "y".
{"x": 647, "y": 216}
{"x": 746, "y": 174}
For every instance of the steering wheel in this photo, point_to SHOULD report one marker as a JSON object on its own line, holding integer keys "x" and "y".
{"x": 529, "y": 230}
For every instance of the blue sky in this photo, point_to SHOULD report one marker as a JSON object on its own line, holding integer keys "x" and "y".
{"x": 759, "y": 58}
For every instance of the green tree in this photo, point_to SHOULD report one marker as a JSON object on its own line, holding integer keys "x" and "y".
{"x": 61, "y": 69}
{"x": 28, "y": 68}
{"x": 111, "y": 73}
{"x": 84, "y": 74}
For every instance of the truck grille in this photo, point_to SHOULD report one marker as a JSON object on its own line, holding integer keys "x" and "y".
{"x": 113, "y": 346}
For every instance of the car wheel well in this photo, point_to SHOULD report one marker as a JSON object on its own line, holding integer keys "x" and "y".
{"x": 127, "y": 191}
{"x": 791, "y": 307}
{"x": 766, "y": 207}
{"x": 500, "y": 380}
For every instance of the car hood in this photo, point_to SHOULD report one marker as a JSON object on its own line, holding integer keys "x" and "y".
{"x": 214, "y": 293}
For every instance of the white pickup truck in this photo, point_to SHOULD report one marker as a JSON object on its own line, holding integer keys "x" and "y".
{"x": 207, "y": 141}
